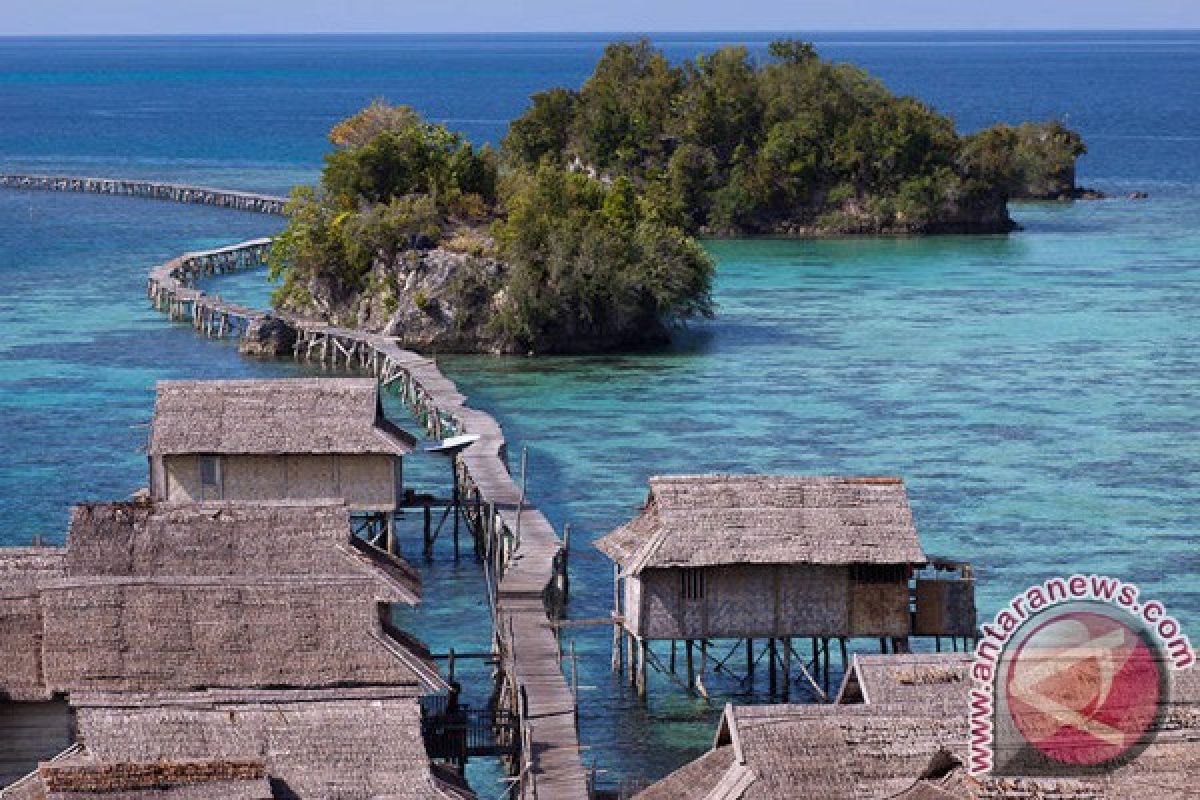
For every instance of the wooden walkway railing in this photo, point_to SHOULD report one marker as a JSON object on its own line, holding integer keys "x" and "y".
{"x": 525, "y": 559}
{"x": 177, "y": 193}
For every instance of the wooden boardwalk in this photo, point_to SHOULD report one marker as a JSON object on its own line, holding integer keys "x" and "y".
{"x": 525, "y": 559}
{"x": 174, "y": 192}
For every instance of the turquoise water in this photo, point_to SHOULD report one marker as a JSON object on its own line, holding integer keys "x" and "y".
{"x": 1037, "y": 391}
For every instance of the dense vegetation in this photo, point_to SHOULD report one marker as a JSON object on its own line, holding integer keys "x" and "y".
{"x": 587, "y": 264}
{"x": 723, "y": 145}
{"x": 576, "y": 236}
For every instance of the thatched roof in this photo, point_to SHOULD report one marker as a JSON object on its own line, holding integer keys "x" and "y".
{"x": 695, "y": 780}
{"x": 188, "y": 632}
{"x": 348, "y": 743}
{"x": 296, "y": 538}
{"x": 193, "y": 596}
{"x": 706, "y": 520}
{"x": 81, "y": 777}
{"x": 22, "y": 572}
{"x": 274, "y": 417}
{"x": 21, "y": 567}
{"x": 919, "y": 678}
{"x": 914, "y": 749}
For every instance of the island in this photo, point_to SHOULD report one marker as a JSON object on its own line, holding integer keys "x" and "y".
{"x": 579, "y": 234}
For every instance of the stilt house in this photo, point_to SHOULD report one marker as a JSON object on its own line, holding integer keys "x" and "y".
{"x": 766, "y": 557}
{"x": 252, "y": 441}
{"x": 216, "y": 650}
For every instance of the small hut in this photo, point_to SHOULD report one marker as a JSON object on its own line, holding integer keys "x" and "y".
{"x": 261, "y": 440}
{"x": 768, "y": 558}
{"x": 909, "y": 738}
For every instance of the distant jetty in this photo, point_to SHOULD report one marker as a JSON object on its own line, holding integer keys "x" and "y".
{"x": 154, "y": 190}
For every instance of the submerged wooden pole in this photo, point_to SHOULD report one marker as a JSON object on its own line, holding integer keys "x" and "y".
{"x": 771, "y": 676}
{"x": 787, "y": 668}
{"x": 643, "y": 646}
{"x": 691, "y": 667}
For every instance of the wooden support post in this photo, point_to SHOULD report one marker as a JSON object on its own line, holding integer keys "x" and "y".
{"x": 787, "y": 668}
{"x": 428, "y": 530}
{"x": 691, "y": 668}
{"x": 700, "y": 687}
{"x": 616, "y": 645}
{"x": 672, "y": 656}
{"x": 643, "y": 646}
{"x": 815, "y": 648}
{"x": 883, "y": 644}
{"x": 825, "y": 661}
{"x": 750, "y": 661}
{"x": 845, "y": 660}
{"x": 771, "y": 676}
{"x": 631, "y": 658}
{"x": 391, "y": 534}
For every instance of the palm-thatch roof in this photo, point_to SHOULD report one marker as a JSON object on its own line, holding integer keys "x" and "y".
{"x": 348, "y": 743}
{"x": 918, "y": 678}
{"x": 914, "y": 749}
{"x": 291, "y": 538}
{"x": 274, "y": 417}
{"x": 707, "y": 520}
{"x": 22, "y": 572}
{"x": 191, "y": 596}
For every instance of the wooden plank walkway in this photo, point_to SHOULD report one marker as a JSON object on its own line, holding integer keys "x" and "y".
{"x": 531, "y": 585}
{"x": 155, "y": 190}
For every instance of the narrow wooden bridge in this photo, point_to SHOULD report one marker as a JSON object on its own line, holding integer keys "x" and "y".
{"x": 174, "y": 192}
{"x": 524, "y": 559}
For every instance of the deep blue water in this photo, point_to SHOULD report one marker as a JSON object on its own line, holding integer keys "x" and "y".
{"x": 1037, "y": 391}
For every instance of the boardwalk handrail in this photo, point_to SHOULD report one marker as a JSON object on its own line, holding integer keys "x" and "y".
{"x": 526, "y": 579}
{"x": 156, "y": 190}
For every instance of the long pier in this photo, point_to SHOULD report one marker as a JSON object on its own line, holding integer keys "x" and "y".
{"x": 173, "y": 192}
{"x": 524, "y": 559}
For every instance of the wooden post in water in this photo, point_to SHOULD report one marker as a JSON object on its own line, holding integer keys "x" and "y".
{"x": 643, "y": 646}
{"x": 428, "y": 530}
{"x": 771, "y": 677}
{"x": 825, "y": 661}
{"x": 787, "y": 668}
{"x": 691, "y": 668}
{"x": 616, "y": 643}
{"x": 750, "y": 661}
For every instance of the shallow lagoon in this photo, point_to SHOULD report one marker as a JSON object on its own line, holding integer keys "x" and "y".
{"x": 1037, "y": 391}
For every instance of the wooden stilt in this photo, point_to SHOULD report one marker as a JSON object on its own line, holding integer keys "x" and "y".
{"x": 700, "y": 687}
{"x": 825, "y": 661}
{"x": 673, "y": 642}
{"x": 771, "y": 675}
{"x": 691, "y": 668}
{"x": 845, "y": 660}
{"x": 631, "y": 659}
{"x": 787, "y": 668}
{"x": 643, "y": 645}
{"x": 750, "y": 660}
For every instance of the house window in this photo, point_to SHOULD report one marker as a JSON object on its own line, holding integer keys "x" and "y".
{"x": 879, "y": 573}
{"x": 691, "y": 584}
{"x": 212, "y": 487}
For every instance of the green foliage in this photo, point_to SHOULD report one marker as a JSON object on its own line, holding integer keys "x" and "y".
{"x": 543, "y": 130}
{"x": 590, "y": 263}
{"x": 722, "y": 145}
{"x": 1032, "y": 160}
{"x": 392, "y": 185}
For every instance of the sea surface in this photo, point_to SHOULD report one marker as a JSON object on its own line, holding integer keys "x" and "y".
{"x": 1037, "y": 391}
